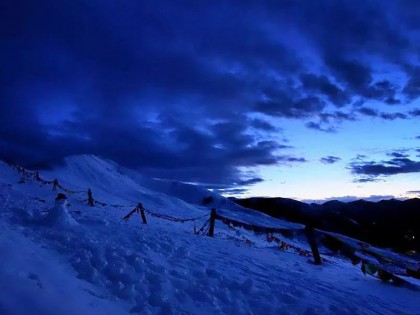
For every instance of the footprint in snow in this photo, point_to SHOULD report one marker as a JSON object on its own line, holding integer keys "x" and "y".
{"x": 36, "y": 278}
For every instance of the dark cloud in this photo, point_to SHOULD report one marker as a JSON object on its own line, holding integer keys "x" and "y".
{"x": 323, "y": 85}
{"x": 368, "y": 111}
{"x": 269, "y": 144}
{"x": 237, "y": 188}
{"x": 330, "y": 159}
{"x": 372, "y": 170}
{"x": 393, "y": 116}
{"x": 392, "y": 101}
{"x": 319, "y": 127}
{"x": 412, "y": 87}
{"x": 355, "y": 75}
{"x": 293, "y": 159}
{"x": 382, "y": 91}
{"x": 414, "y": 192}
{"x": 398, "y": 154}
{"x": 169, "y": 88}
{"x": 415, "y": 113}
{"x": 366, "y": 179}
{"x": 233, "y": 191}
{"x": 282, "y": 105}
{"x": 337, "y": 116}
{"x": 358, "y": 25}
{"x": 251, "y": 181}
{"x": 359, "y": 81}
{"x": 263, "y": 125}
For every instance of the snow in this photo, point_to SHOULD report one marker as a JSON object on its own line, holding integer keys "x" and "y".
{"x": 59, "y": 217}
{"x": 34, "y": 280}
{"x": 105, "y": 265}
{"x": 399, "y": 259}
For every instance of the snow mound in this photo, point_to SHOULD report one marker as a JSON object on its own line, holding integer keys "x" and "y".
{"x": 59, "y": 217}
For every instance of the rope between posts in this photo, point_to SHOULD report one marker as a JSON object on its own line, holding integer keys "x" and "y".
{"x": 268, "y": 231}
{"x": 256, "y": 228}
{"x": 121, "y": 206}
{"x": 173, "y": 219}
{"x": 244, "y": 239}
{"x": 68, "y": 190}
{"x": 126, "y": 217}
{"x": 201, "y": 230}
{"x": 35, "y": 175}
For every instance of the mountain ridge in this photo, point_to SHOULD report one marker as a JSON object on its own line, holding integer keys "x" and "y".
{"x": 387, "y": 223}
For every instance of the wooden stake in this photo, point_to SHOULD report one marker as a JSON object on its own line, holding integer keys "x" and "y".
{"x": 309, "y": 231}
{"x": 91, "y": 202}
{"x": 55, "y": 184}
{"x": 143, "y": 215}
{"x": 212, "y": 222}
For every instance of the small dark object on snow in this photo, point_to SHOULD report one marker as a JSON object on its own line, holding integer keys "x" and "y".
{"x": 413, "y": 273}
{"x": 61, "y": 196}
{"x": 384, "y": 275}
{"x": 207, "y": 200}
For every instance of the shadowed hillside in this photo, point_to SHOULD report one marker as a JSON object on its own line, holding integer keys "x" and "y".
{"x": 388, "y": 223}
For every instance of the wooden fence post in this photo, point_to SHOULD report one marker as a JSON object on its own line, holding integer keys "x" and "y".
{"x": 143, "y": 215}
{"x": 55, "y": 184}
{"x": 91, "y": 202}
{"x": 309, "y": 231}
{"x": 212, "y": 221}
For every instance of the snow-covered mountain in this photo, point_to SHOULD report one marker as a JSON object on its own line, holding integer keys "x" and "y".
{"x": 97, "y": 263}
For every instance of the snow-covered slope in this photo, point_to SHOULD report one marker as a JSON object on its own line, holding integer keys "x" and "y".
{"x": 35, "y": 280}
{"x": 116, "y": 185}
{"x": 105, "y": 265}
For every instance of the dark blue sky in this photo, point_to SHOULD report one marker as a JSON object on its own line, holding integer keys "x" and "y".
{"x": 261, "y": 97}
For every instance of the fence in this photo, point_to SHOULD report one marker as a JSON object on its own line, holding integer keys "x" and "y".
{"x": 357, "y": 254}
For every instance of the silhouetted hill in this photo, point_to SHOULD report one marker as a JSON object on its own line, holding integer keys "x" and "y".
{"x": 387, "y": 223}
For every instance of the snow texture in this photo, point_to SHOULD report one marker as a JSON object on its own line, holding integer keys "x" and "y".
{"x": 77, "y": 259}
